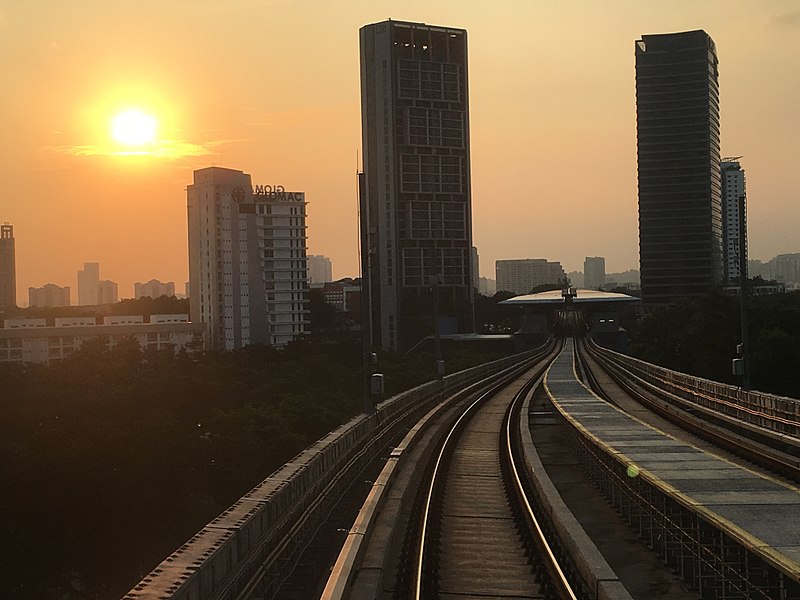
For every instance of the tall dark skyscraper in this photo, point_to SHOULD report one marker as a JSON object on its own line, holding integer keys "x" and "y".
{"x": 416, "y": 197}
{"x": 680, "y": 209}
{"x": 8, "y": 268}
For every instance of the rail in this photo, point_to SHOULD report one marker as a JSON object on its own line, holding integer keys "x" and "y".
{"x": 778, "y": 413}
{"x": 278, "y": 518}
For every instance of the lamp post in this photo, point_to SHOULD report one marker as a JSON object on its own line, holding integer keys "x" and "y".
{"x": 743, "y": 294}
{"x": 435, "y": 281}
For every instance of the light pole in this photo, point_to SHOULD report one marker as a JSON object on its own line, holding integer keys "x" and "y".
{"x": 743, "y": 294}
{"x": 435, "y": 281}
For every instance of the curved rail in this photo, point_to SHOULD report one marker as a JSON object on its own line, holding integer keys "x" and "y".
{"x": 554, "y": 580}
{"x": 557, "y": 576}
{"x": 762, "y": 445}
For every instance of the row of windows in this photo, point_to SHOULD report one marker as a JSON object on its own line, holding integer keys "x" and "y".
{"x": 422, "y": 265}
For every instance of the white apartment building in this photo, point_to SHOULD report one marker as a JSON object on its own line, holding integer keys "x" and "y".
{"x": 37, "y": 341}
{"x": 49, "y": 294}
{"x": 88, "y": 282}
{"x": 153, "y": 289}
{"x": 248, "y": 277}
{"x": 319, "y": 269}
{"x": 733, "y": 186}
{"x": 520, "y": 276}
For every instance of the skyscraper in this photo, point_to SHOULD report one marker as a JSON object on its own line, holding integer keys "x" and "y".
{"x": 247, "y": 259}
{"x": 8, "y": 268}
{"x": 734, "y": 198}
{"x": 680, "y": 208}
{"x": 88, "y": 284}
{"x": 594, "y": 272}
{"x": 416, "y": 196}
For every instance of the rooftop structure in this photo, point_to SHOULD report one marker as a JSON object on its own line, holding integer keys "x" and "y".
{"x": 8, "y": 273}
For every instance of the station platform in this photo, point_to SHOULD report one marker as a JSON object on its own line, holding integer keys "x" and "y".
{"x": 762, "y": 514}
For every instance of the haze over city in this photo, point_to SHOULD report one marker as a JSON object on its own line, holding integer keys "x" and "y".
{"x": 272, "y": 88}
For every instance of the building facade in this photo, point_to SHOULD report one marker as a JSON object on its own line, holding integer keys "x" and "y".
{"x": 594, "y": 272}
{"x": 248, "y": 278}
{"x": 43, "y": 341}
{"x": 734, "y": 203}
{"x": 49, "y": 294}
{"x": 319, "y": 269}
{"x": 153, "y": 289}
{"x": 416, "y": 208}
{"x": 520, "y": 276}
{"x": 107, "y": 292}
{"x": 680, "y": 202}
{"x": 8, "y": 268}
{"x": 88, "y": 282}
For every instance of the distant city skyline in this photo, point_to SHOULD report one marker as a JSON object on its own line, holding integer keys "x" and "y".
{"x": 529, "y": 119}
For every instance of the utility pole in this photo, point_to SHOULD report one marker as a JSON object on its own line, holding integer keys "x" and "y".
{"x": 743, "y": 293}
{"x": 366, "y": 295}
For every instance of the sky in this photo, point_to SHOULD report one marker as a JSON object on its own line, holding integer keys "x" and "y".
{"x": 271, "y": 87}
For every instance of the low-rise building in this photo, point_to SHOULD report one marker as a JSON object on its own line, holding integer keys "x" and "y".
{"x": 38, "y": 341}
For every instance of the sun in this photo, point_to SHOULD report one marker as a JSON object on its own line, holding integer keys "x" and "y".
{"x": 134, "y": 128}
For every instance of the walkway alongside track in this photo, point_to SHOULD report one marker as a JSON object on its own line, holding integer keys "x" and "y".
{"x": 731, "y": 532}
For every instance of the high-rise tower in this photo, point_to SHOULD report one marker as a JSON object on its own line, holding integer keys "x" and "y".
{"x": 680, "y": 209}
{"x": 734, "y": 204}
{"x": 247, "y": 259}
{"x": 8, "y": 268}
{"x": 89, "y": 284}
{"x": 416, "y": 198}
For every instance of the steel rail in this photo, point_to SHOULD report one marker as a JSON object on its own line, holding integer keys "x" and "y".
{"x": 721, "y": 435}
{"x": 557, "y": 576}
{"x": 434, "y": 477}
{"x": 594, "y": 349}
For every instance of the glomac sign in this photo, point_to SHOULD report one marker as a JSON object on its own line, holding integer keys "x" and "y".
{"x": 278, "y": 192}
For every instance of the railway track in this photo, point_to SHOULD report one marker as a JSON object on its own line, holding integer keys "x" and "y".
{"x": 775, "y": 452}
{"x": 479, "y": 536}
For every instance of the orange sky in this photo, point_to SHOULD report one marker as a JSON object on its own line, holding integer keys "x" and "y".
{"x": 271, "y": 87}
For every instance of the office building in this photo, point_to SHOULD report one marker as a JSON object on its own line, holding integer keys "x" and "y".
{"x": 49, "y": 295}
{"x": 319, "y": 269}
{"x": 594, "y": 272}
{"x": 8, "y": 268}
{"x": 247, "y": 259}
{"x": 44, "y": 340}
{"x": 734, "y": 203}
{"x": 153, "y": 289}
{"x": 680, "y": 202}
{"x": 416, "y": 210}
{"x": 520, "y": 276}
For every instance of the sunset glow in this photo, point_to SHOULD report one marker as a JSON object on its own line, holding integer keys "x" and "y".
{"x": 134, "y": 128}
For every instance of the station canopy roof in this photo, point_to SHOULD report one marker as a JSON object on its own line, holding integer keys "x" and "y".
{"x": 559, "y": 296}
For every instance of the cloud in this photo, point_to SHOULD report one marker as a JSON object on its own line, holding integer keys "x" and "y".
{"x": 162, "y": 149}
{"x": 790, "y": 19}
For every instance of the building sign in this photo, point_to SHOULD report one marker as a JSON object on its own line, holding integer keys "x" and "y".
{"x": 279, "y": 193}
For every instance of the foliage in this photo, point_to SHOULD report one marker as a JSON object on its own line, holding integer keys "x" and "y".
{"x": 700, "y": 337}
{"x": 113, "y": 458}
